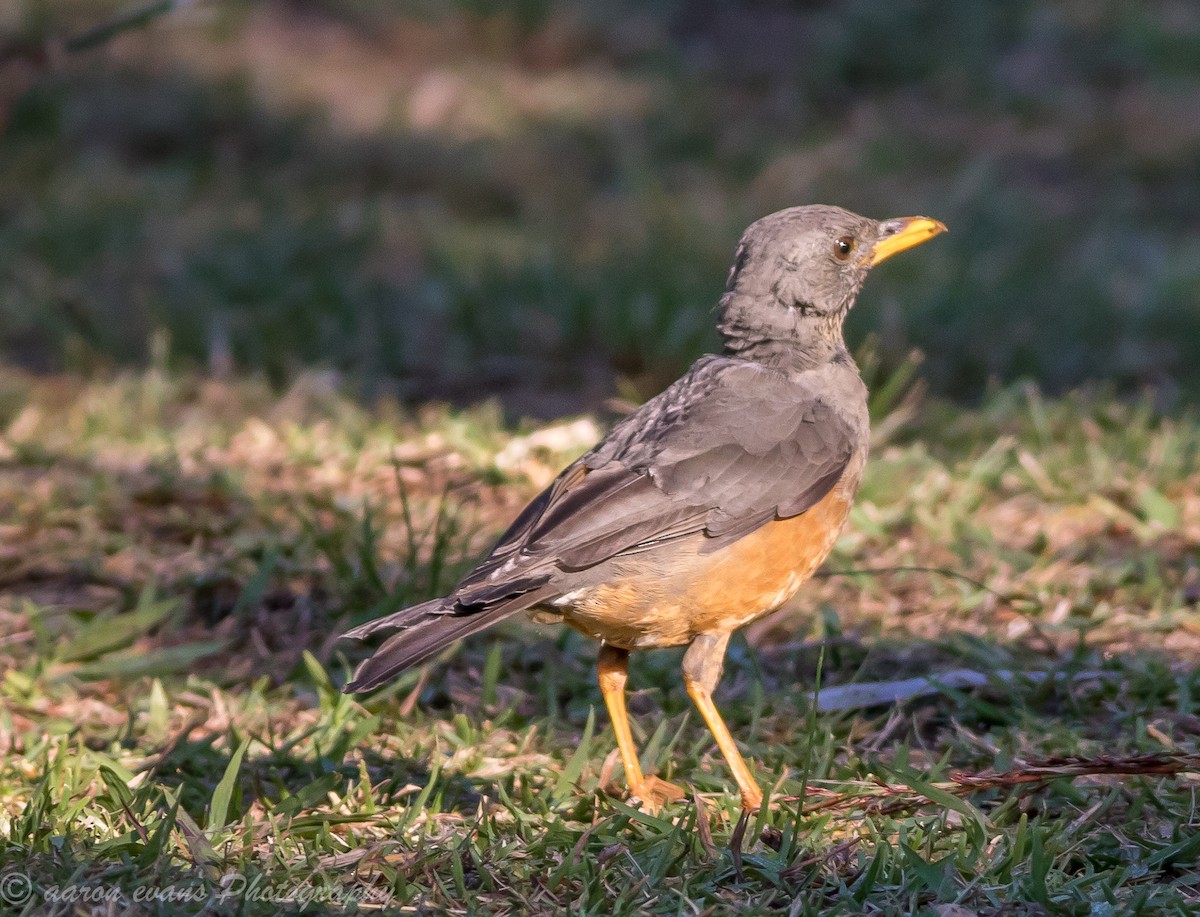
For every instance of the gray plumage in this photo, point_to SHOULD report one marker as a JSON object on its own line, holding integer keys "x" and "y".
{"x": 760, "y": 432}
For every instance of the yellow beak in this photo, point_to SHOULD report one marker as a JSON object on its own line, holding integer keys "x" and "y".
{"x": 902, "y": 233}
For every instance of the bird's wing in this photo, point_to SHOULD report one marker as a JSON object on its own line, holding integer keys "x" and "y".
{"x": 723, "y": 451}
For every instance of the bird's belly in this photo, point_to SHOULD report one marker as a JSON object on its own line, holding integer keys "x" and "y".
{"x": 667, "y": 601}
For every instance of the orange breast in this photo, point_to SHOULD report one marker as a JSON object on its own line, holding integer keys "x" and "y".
{"x": 661, "y": 599}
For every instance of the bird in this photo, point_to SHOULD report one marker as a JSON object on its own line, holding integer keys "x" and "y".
{"x": 707, "y": 507}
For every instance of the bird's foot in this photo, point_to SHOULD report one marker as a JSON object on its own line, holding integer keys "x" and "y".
{"x": 752, "y": 800}
{"x": 654, "y": 793}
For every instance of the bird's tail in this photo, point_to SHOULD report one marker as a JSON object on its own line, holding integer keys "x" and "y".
{"x": 423, "y": 631}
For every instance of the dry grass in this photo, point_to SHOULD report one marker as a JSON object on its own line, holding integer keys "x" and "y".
{"x": 178, "y": 555}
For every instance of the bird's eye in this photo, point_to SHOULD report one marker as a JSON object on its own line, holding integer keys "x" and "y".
{"x": 844, "y": 247}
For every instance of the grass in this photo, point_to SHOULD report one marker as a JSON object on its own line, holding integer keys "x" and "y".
{"x": 549, "y": 193}
{"x": 219, "y": 233}
{"x": 179, "y": 553}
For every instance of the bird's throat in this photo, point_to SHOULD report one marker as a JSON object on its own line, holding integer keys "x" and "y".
{"x": 801, "y": 341}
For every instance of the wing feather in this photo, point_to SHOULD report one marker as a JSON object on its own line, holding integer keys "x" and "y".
{"x": 725, "y": 450}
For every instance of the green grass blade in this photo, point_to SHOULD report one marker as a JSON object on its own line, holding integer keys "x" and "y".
{"x": 223, "y": 794}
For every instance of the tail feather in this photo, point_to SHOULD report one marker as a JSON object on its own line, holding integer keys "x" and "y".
{"x": 405, "y": 617}
{"x": 424, "y": 631}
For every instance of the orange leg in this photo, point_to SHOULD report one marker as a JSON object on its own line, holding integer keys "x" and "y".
{"x": 612, "y": 667}
{"x": 702, "y": 666}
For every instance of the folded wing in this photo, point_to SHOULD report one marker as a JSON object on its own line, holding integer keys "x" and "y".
{"x": 725, "y": 450}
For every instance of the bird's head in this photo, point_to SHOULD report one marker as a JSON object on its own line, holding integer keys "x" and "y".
{"x": 797, "y": 272}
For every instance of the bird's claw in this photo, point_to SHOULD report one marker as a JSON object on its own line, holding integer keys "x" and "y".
{"x": 654, "y": 793}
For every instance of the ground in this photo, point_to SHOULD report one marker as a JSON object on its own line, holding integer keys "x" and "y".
{"x": 179, "y": 555}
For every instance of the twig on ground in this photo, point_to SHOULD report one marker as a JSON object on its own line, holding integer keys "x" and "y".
{"x": 883, "y": 693}
{"x": 151, "y": 765}
{"x": 883, "y": 798}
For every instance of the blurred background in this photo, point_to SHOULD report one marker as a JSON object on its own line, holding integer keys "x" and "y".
{"x": 539, "y": 200}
